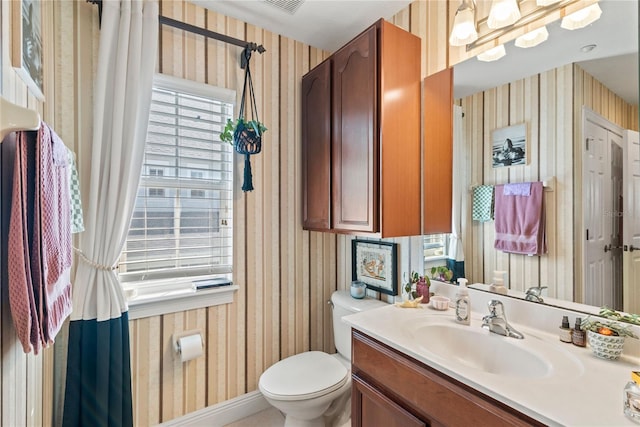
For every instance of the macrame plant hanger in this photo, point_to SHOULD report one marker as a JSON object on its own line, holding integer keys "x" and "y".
{"x": 247, "y": 137}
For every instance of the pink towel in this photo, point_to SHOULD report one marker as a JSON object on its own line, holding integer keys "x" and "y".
{"x": 39, "y": 239}
{"x": 519, "y": 221}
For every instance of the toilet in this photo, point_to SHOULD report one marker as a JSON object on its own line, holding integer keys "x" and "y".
{"x": 312, "y": 389}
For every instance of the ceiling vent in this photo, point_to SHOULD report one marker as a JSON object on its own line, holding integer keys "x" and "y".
{"x": 289, "y": 6}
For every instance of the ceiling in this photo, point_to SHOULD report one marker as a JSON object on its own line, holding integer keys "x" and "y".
{"x": 329, "y": 24}
{"x": 326, "y": 24}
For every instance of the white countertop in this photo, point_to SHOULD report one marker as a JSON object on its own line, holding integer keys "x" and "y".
{"x": 588, "y": 393}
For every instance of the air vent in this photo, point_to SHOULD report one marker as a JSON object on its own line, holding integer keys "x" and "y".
{"x": 289, "y": 6}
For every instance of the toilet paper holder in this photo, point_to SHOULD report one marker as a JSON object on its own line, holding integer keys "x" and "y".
{"x": 176, "y": 340}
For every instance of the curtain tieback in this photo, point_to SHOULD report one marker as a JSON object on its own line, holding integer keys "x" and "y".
{"x": 93, "y": 263}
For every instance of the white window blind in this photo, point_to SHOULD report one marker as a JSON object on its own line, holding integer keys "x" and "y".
{"x": 182, "y": 220}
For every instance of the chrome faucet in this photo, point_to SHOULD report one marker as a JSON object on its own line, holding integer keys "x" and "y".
{"x": 496, "y": 321}
{"x": 535, "y": 294}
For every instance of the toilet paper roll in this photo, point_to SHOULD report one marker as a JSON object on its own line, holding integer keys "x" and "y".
{"x": 190, "y": 347}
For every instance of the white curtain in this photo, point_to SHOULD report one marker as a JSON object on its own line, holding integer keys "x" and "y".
{"x": 455, "y": 239}
{"x": 98, "y": 377}
{"x": 122, "y": 94}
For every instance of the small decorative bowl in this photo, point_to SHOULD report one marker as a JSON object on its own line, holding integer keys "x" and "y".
{"x": 605, "y": 346}
{"x": 439, "y": 302}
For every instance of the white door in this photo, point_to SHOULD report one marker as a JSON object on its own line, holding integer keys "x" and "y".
{"x": 616, "y": 212}
{"x": 631, "y": 223}
{"x": 597, "y": 232}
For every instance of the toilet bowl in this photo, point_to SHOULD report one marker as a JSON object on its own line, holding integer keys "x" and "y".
{"x": 312, "y": 389}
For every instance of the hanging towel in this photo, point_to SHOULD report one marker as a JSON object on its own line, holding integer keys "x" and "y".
{"x": 519, "y": 189}
{"x": 77, "y": 220}
{"x": 40, "y": 239}
{"x": 483, "y": 201}
{"x": 519, "y": 222}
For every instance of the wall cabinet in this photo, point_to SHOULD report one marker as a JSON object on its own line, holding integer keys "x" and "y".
{"x": 390, "y": 388}
{"x": 365, "y": 131}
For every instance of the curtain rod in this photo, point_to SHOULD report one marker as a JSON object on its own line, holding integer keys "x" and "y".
{"x": 163, "y": 20}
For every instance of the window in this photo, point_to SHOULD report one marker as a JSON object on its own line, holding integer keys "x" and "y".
{"x": 435, "y": 245}
{"x": 182, "y": 220}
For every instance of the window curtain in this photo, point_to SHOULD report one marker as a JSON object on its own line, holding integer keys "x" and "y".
{"x": 98, "y": 379}
{"x": 455, "y": 261}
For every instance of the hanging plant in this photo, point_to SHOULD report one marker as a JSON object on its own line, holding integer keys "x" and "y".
{"x": 227, "y": 133}
{"x": 245, "y": 135}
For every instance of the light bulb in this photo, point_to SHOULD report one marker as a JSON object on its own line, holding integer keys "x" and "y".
{"x": 492, "y": 54}
{"x": 532, "y": 38}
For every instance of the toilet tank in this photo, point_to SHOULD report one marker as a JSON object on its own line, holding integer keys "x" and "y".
{"x": 343, "y": 305}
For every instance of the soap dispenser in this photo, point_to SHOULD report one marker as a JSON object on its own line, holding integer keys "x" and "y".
{"x": 463, "y": 304}
{"x": 498, "y": 282}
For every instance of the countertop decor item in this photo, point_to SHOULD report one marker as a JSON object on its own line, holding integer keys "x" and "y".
{"x": 606, "y": 339}
{"x": 358, "y": 289}
{"x": 417, "y": 286}
{"x": 439, "y": 302}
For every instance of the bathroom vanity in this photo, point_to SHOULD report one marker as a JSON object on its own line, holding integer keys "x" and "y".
{"x": 392, "y": 389}
{"x": 417, "y": 367}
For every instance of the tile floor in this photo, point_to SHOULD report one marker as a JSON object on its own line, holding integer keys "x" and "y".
{"x": 268, "y": 418}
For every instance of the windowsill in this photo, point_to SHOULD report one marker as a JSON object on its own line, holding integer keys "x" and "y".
{"x": 176, "y": 300}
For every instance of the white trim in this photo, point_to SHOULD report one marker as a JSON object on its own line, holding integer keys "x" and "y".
{"x": 223, "y": 413}
{"x": 188, "y": 299}
{"x": 190, "y": 87}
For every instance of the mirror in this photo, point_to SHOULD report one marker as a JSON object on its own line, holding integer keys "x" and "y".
{"x": 551, "y": 130}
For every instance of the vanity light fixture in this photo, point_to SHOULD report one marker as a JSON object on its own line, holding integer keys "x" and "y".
{"x": 492, "y": 54}
{"x": 464, "y": 25}
{"x": 532, "y": 38}
{"x": 582, "y": 17}
{"x": 503, "y": 13}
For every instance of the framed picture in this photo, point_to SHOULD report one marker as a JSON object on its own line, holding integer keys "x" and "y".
{"x": 376, "y": 264}
{"x": 509, "y": 146}
{"x": 26, "y": 51}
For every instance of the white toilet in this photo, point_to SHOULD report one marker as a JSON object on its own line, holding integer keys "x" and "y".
{"x": 313, "y": 388}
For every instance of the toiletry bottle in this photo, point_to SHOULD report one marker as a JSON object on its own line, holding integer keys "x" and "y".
{"x": 631, "y": 398}
{"x": 578, "y": 336}
{"x": 565, "y": 330}
{"x": 463, "y": 304}
{"x": 498, "y": 282}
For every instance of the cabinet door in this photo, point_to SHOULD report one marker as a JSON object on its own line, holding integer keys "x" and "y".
{"x": 316, "y": 148}
{"x": 437, "y": 166}
{"x": 371, "y": 408}
{"x": 355, "y": 145}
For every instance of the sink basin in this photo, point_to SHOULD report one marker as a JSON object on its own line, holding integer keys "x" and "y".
{"x": 480, "y": 350}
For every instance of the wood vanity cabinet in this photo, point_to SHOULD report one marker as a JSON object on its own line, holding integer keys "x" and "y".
{"x": 392, "y": 389}
{"x": 374, "y": 137}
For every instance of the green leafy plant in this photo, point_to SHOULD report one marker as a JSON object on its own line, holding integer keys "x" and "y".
{"x": 414, "y": 279}
{"x": 441, "y": 273}
{"x": 607, "y": 328}
{"x": 620, "y": 317}
{"x": 227, "y": 133}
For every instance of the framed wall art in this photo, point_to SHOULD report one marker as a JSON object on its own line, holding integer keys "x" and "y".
{"x": 376, "y": 264}
{"x": 509, "y": 146}
{"x": 26, "y": 40}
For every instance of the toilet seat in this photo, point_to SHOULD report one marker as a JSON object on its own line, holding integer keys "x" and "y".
{"x": 303, "y": 376}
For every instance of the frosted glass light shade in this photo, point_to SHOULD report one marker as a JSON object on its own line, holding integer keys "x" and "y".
{"x": 582, "y": 17}
{"x": 533, "y": 38}
{"x": 503, "y": 13}
{"x": 492, "y": 54}
{"x": 545, "y": 2}
{"x": 464, "y": 28}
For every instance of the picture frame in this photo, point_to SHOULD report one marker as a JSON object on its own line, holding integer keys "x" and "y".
{"x": 375, "y": 263}
{"x": 26, "y": 40}
{"x": 509, "y": 146}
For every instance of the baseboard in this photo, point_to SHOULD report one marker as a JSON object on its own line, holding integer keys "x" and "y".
{"x": 223, "y": 413}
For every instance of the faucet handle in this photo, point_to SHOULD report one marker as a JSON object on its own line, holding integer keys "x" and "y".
{"x": 535, "y": 290}
{"x": 496, "y": 308}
